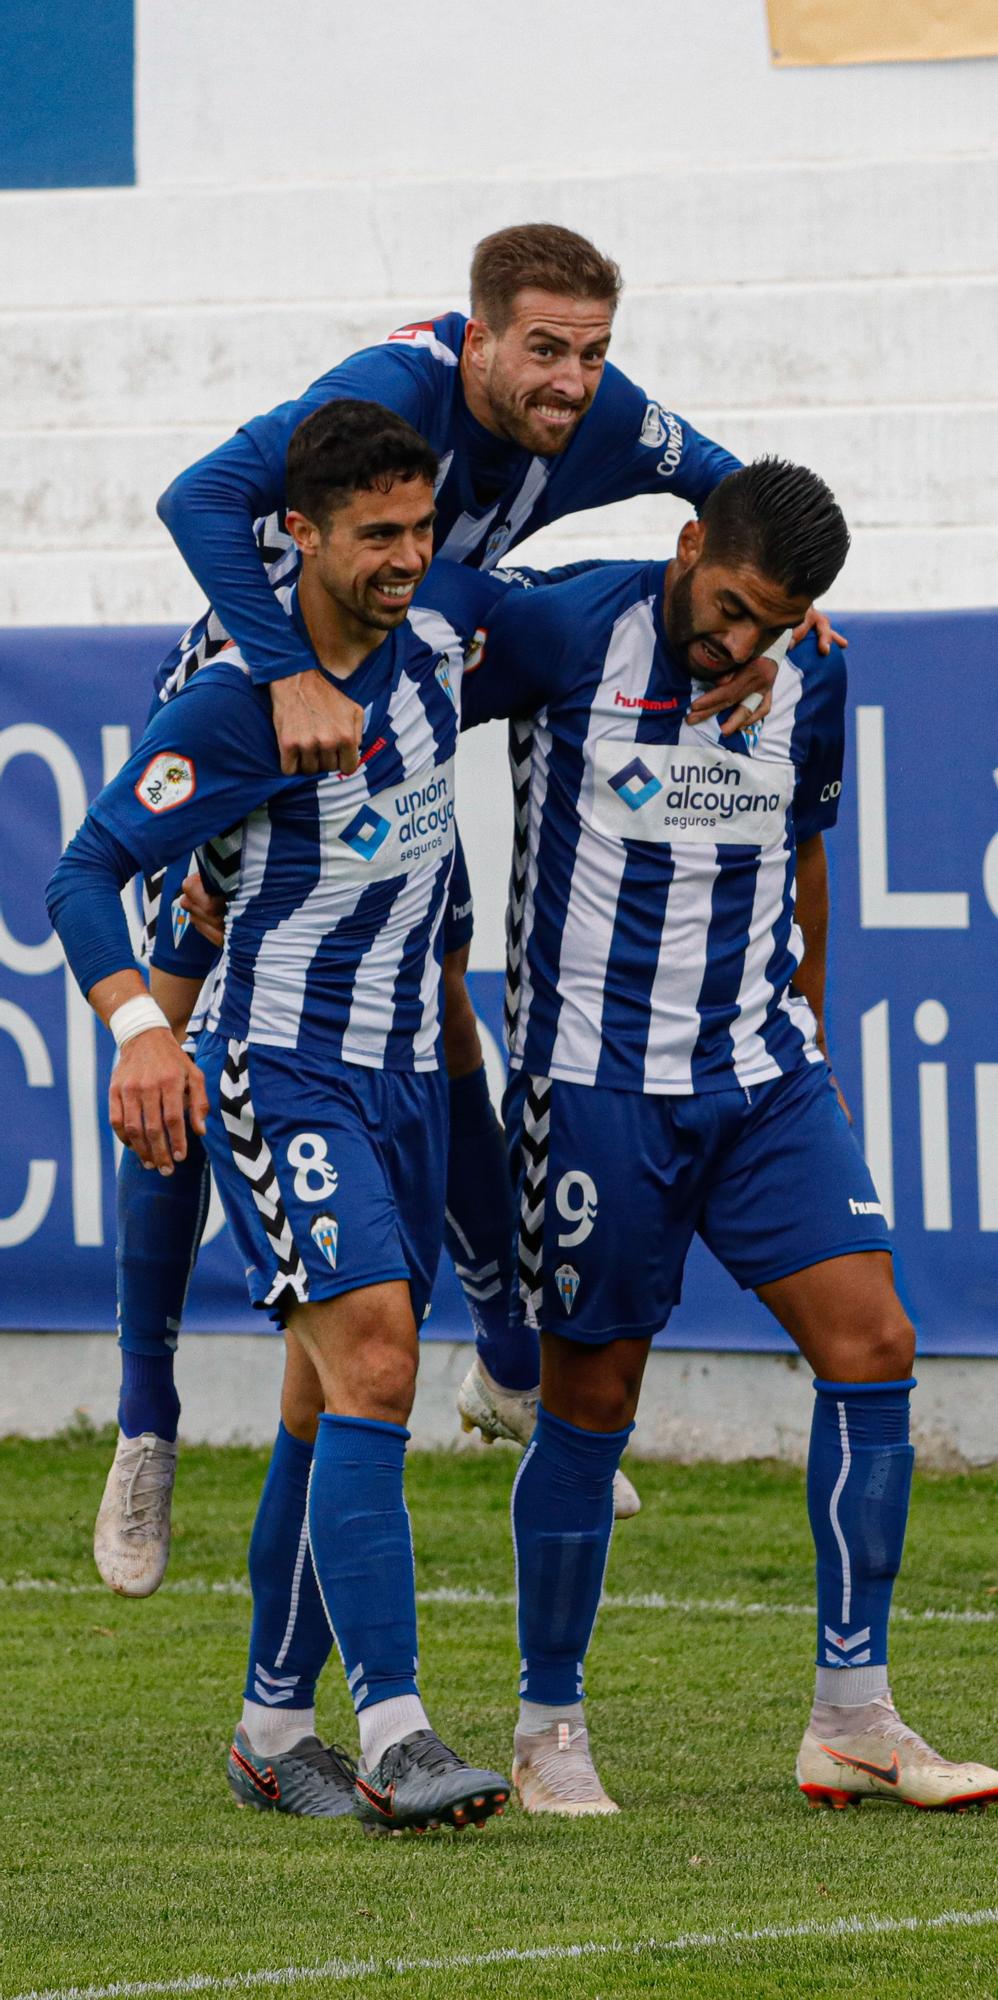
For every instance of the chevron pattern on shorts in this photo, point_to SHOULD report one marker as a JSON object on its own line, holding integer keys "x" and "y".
{"x": 254, "y": 1159}
{"x": 534, "y": 1148}
{"x": 521, "y": 740}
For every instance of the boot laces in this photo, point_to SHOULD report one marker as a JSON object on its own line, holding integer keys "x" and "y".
{"x": 148, "y": 1485}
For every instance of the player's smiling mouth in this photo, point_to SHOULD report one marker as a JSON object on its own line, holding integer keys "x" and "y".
{"x": 703, "y": 653}
{"x": 396, "y": 593}
{"x": 561, "y": 414}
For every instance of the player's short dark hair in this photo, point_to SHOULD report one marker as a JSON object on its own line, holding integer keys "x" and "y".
{"x": 350, "y": 447}
{"x": 783, "y": 520}
{"x": 544, "y": 257}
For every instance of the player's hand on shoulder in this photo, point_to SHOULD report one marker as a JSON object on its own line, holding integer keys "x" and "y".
{"x": 318, "y": 728}
{"x": 730, "y": 691}
{"x": 152, "y": 1086}
{"x": 206, "y": 912}
{"x": 823, "y": 629}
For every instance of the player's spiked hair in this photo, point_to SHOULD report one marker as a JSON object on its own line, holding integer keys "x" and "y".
{"x": 781, "y": 518}
{"x": 351, "y": 447}
{"x": 544, "y": 257}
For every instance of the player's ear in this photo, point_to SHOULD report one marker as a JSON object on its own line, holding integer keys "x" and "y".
{"x": 478, "y": 338}
{"x": 304, "y": 533}
{"x": 689, "y": 547}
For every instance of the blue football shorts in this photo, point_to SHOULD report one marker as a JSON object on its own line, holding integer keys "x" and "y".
{"x": 332, "y": 1176}
{"x": 612, "y": 1185}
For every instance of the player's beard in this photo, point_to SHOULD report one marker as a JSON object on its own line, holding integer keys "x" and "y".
{"x": 518, "y": 421}
{"x": 684, "y": 634}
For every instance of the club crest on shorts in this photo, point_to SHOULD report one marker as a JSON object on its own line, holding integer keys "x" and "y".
{"x": 567, "y": 1280}
{"x": 325, "y": 1234}
{"x": 180, "y": 919}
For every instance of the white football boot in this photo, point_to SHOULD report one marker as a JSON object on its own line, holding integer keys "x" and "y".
{"x": 553, "y": 1772}
{"x": 869, "y": 1753}
{"x": 132, "y": 1532}
{"x": 484, "y": 1405}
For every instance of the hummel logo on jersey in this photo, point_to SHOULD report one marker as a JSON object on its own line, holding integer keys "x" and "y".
{"x": 635, "y": 784}
{"x": 865, "y": 1207}
{"x": 325, "y": 1234}
{"x": 366, "y": 832}
{"x": 639, "y": 701}
{"x": 888, "y": 1776}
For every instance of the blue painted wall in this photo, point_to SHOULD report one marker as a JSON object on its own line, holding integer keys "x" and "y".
{"x": 67, "y": 94}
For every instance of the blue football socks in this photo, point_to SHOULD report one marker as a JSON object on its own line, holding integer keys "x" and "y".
{"x": 480, "y": 1230}
{"x": 562, "y": 1520}
{"x": 858, "y": 1487}
{"x": 361, "y": 1544}
{"x": 290, "y": 1640}
{"x": 160, "y": 1220}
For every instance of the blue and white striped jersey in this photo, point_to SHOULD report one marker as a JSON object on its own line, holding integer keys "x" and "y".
{"x": 491, "y": 494}
{"x": 332, "y": 939}
{"x": 654, "y": 939}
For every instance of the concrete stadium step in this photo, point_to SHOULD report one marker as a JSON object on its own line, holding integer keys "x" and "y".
{"x": 899, "y": 569}
{"x": 760, "y": 346}
{"x": 726, "y": 223}
{"x": 905, "y": 467}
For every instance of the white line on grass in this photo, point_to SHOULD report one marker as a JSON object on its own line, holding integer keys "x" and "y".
{"x": 342, "y": 1969}
{"x": 645, "y": 1600}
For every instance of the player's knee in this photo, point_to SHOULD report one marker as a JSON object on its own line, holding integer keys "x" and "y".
{"x": 462, "y": 1047}
{"x": 300, "y": 1413}
{"x": 890, "y": 1350}
{"x": 389, "y": 1381}
{"x": 595, "y": 1388}
{"x": 878, "y": 1347}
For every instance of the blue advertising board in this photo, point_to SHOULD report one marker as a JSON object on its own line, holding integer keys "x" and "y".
{"x": 912, "y": 1016}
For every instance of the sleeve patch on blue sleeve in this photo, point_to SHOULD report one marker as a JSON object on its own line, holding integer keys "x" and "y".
{"x": 168, "y": 781}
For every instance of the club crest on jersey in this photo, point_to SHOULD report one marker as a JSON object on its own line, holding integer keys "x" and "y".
{"x": 366, "y": 832}
{"x": 567, "y": 1280}
{"x": 635, "y": 784}
{"x": 325, "y": 1234}
{"x": 751, "y": 735}
{"x": 442, "y": 672}
{"x": 168, "y": 781}
{"x": 180, "y": 919}
{"x": 497, "y": 544}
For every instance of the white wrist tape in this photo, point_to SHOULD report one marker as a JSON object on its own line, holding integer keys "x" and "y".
{"x": 133, "y": 1017}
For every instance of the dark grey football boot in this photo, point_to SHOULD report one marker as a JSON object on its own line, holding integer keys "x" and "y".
{"x": 419, "y": 1783}
{"x": 314, "y": 1779}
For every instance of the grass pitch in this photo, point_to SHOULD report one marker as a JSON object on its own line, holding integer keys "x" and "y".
{"x": 125, "y": 1861}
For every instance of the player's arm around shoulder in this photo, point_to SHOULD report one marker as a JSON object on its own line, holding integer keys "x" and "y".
{"x": 206, "y": 759}
{"x": 523, "y": 658}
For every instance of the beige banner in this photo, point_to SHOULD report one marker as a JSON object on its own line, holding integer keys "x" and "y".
{"x": 804, "y": 32}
